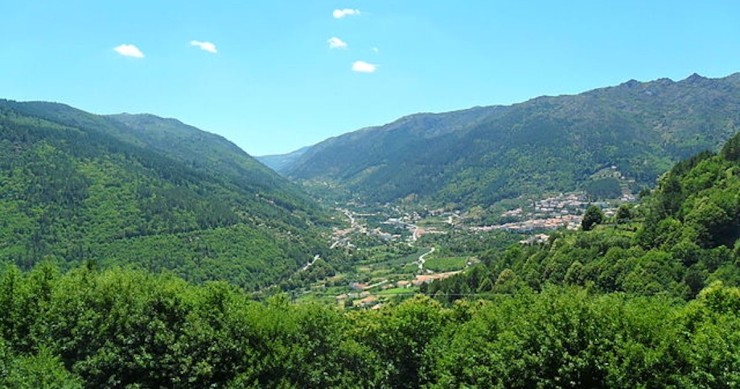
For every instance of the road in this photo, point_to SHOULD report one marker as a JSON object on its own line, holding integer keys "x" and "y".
{"x": 422, "y": 259}
{"x": 309, "y": 264}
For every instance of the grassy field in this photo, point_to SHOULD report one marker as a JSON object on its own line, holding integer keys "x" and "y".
{"x": 396, "y": 291}
{"x": 446, "y": 263}
{"x": 434, "y": 221}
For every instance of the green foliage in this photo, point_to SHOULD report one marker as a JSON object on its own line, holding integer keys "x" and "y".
{"x": 146, "y": 192}
{"x": 624, "y": 213}
{"x": 592, "y": 217}
{"x": 568, "y": 338}
{"x": 457, "y": 242}
{"x": 118, "y": 328}
{"x": 731, "y": 149}
{"x": 700, "y": 194}
{"x": 604, "y": 188}
{"x": 122, "y": 328}
{"x": 444, "y": 264}
{"x": 400, "y": 337}
{"x": 43, "y": 371}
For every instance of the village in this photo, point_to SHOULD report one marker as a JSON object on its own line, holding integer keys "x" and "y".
{"x": 562, "y": 210}
{"x": 377, "y": 230}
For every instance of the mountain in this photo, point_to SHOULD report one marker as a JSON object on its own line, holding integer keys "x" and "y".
{"x": 280, "y": 162}
{"x": 485, "y": 154}
{"x": 147, "y": 192}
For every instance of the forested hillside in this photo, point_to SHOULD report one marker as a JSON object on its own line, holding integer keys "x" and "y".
{"x": 145, "y": 191}
{"x": 483, "y": 155}
{"x": 679, "y": 239}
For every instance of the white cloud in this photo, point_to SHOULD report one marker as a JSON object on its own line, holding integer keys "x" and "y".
{"x": 205, "y": 46}
{"x": 340, "y": 13}
{"x": 364, "y": 67}
{"x": 128, "y": 50}
{"x": 336, "y": 43}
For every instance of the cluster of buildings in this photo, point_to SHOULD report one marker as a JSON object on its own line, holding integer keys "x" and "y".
{"x": 563, "y": 210}
{"x": 562, "y": 204}
{"x": 571, "y": 222}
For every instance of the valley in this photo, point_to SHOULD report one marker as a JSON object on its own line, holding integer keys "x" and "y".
{"x": 370, "y": 194}
{"x": 388, "y": 251}
{"x": 391, "y": 251}
{"x": 139, "y": 251}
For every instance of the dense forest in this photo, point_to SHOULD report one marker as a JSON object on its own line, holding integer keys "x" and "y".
{"x": 146, "y": 192}
{"x": 557, "y": 144}
{"x": 122, "y": 328}
{"x": 649, "y": 299}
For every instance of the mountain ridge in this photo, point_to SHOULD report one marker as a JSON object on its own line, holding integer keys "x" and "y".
{"x": 464, "y": 156}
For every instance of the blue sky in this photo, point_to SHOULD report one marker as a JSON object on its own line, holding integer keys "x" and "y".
{"x": 268, "y": 76}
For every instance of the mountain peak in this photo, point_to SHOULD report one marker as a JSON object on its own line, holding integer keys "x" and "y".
{"x": 695, "y": 78}
{"x": 632, "y": 83}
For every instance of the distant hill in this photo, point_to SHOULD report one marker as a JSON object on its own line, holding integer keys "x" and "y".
{"x": 148, "y": 192}
{"x": 280, "y": 162}
{"x": 485, "y": 154}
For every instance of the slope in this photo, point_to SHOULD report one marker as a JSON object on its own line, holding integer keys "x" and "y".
{"x": 486, "y": 154}
{"x": 681, "y": 238}
{"x": 145, "y": 191}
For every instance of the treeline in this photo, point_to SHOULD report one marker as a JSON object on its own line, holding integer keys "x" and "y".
{"x": 678, "y": 240}
{"x": 122, "y": 328}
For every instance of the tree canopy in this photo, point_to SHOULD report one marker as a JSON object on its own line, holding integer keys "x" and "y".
{"x": 122, "y": 328}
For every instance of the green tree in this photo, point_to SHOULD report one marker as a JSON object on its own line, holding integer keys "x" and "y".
{"x": 624, "y": 213}
{"x": 731, "y": 149}
{"x": 42, "y": 371}
{"x": 592, "y": 217}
